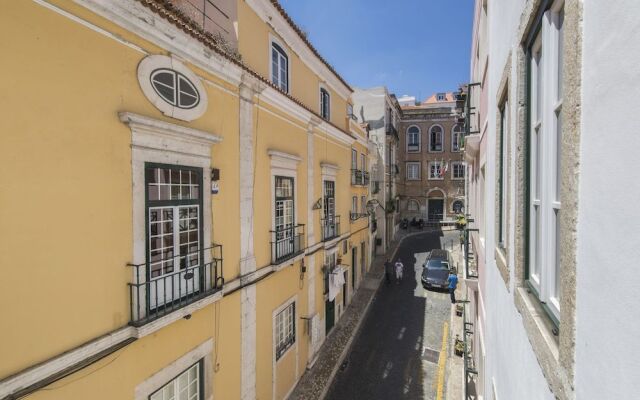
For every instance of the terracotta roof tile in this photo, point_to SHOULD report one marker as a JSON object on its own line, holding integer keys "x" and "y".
{"x": 172, "y": 14}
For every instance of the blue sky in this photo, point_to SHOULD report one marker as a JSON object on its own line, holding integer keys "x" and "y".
{"x": 414, "y": 47}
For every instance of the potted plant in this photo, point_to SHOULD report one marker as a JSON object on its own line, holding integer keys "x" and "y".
{"x": 461, "y": 221}
{"x": 459, "y": 347}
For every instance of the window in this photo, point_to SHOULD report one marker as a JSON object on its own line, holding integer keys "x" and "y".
{"x": 325, "y": 104}
{"x": 354, "y": 159}
{"x": 413, "y": 139}
{"x": 413, "y": 205}
{"x": 413, "y": 171}
{"x": 350, "y": 113}
{"x": 285, "y": 329}
{"x": 456, "y": 137}
{"x": 544, "y": 141}
{"x": 436, "y": 170}
{"x": 363, "y": 162}
{"x": 354, "y": 204}
{"x": 284, "y": 217}
{"x": 502, "y": 176}
{"x": 330, "y": 227}
{"x": 175, "y": 88}
{"x": 441, "y": 96}
{"x": 279, "y": 68}
{"x": 174, "y": 234}
{"x": 187, "y": 386}
{"x": 363, "y": 204}
{"x": 435, "y": 138}
{"x": 457, "y": 171}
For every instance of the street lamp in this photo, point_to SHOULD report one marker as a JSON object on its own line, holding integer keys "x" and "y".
{"x": 371, "y": 206}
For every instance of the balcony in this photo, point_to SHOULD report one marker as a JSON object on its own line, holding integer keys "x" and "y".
{"x": 359, "y": 177}
{"x": 392, "y": 131}
{"x": 353, "y": 216}
{"x": 330, "y": 228}
{"x": 286, "y": 243}
{"x": 159, "y": 289}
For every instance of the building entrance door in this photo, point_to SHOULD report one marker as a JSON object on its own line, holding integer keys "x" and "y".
{"x": 436, "y": 209}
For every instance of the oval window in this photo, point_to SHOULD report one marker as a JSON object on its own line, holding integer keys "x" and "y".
{"x": 175, "y": 88}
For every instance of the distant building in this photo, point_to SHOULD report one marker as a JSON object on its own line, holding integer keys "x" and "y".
{"x": 381, "y": 111}
{"x": 432, "y": 169}
{"x": 407, "y": 100}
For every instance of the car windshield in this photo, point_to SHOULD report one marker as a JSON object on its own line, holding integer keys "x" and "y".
{"x": 437, "y": 264}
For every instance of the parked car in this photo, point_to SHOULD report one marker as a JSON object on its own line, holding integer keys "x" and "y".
{"x": 435, "y": 270}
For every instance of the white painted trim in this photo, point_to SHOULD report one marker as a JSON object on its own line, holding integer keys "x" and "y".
{"x": 453, "y": 168}
{"x": 322, "y": 86}
{"x": 272, "y": 17}
{"x": 329, "y": 171}
{"x": 273, "y": 39}
{"x": 140, "y": 20}
{"x": 274, "y": 363}
{"x": 429, "y": 139}
{"x": 461, "y": 134}
{"x": 89, "y": 25}
{"x": 284, "y": 160}
{"x": 406, "y": 139}
{"x": 203, "y": 352}
{"x": 406, "y": 172}
{"x": 151, "y": 63}
{"x": 162, "y": 142}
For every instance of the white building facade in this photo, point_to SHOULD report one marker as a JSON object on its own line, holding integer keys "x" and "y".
{"x": 551, "y": 252}
{"x": 381, "y": 112}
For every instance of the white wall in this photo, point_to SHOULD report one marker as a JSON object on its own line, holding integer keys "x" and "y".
{"x": 510, "y": 361}
{"x": 608, "y": 276}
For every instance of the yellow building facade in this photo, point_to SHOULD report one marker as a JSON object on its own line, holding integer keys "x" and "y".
{"x": 182, "y": 212}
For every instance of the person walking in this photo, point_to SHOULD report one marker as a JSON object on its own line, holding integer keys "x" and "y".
{"x": 453, "y": 283}
{"x": 388, "y": 270}
{"x": 399, "y": 268}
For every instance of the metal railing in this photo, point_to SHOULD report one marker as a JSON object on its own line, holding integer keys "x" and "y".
{"x": 354, "y": 216}
{"x": 470, "y": 372}
{"x": 359, "y": 177}
{"x": 356, "y": 177}
{"x": 186, "y": 283}
{"x": 286, "y": 243}
{"x": 330, "y": 227}
{"x": 469, "y": 259}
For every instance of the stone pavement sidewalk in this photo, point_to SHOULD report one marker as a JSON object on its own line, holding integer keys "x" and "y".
{"x": 315, "y": 382}
{"x": 455, "y": 367}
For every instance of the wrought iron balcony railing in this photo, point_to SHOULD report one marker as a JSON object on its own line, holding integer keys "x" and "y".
{"x": 365, "y": 177}
{"x": 161, "y": 286}
{"x": 286, "y": 243}
{"x": 354, "y": 216}
{"x": 356, "y": 177}
{"x": 330, "y": 227}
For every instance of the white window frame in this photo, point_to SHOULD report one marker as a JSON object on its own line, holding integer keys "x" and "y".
{"x": 284, "y": 51}
{"x": 457, "y": 141}
{"x": 453, "y": 169}
{"x": 439, "y": 164}
{"x": 323, "y": 89}
{"x": 363, "y": 161}
{"x": 354, "y": 159}
{"x": 415, "y": 164}
{"x": 545, "y": 137}
{"x": 441, "y": 96}
{"x": 277, "y": 338}
{"x": 285, "y": 165}
{"x": 419, "y": 139}
{"x": 202, "y": 354}
{"x": 441, "y": 136}
{"x": 363, "y": 204}
{"x": 161, "y": 142}
{"x": 503, "y": 172}
{"x": 354, "y": 204}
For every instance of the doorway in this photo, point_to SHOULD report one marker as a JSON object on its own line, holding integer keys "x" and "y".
{"x": 436, "y": 209}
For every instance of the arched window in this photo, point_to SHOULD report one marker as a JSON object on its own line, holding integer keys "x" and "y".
{"x": 458, "y": 206}
{"x": 325, "y": 104}
{"x": 413, "y": 205}
{"x": 456, "y": 137}
{"x": 413, "y": 139}
{"x": 435, "y": 138}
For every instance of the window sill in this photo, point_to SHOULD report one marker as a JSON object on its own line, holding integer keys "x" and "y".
{"x": 502, "y": 264}
{"x": 544, "y": 343}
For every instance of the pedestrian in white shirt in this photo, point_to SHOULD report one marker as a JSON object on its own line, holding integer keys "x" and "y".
{"x": 399, "y": 268}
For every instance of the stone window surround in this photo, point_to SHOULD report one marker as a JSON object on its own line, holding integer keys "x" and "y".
{"x": 556, "y": 355}
{"x": 154, "y": 62}
{"x": 203, "y": 352}
{"x": 413, "y": 163}
{"x": 502, "y": 252}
